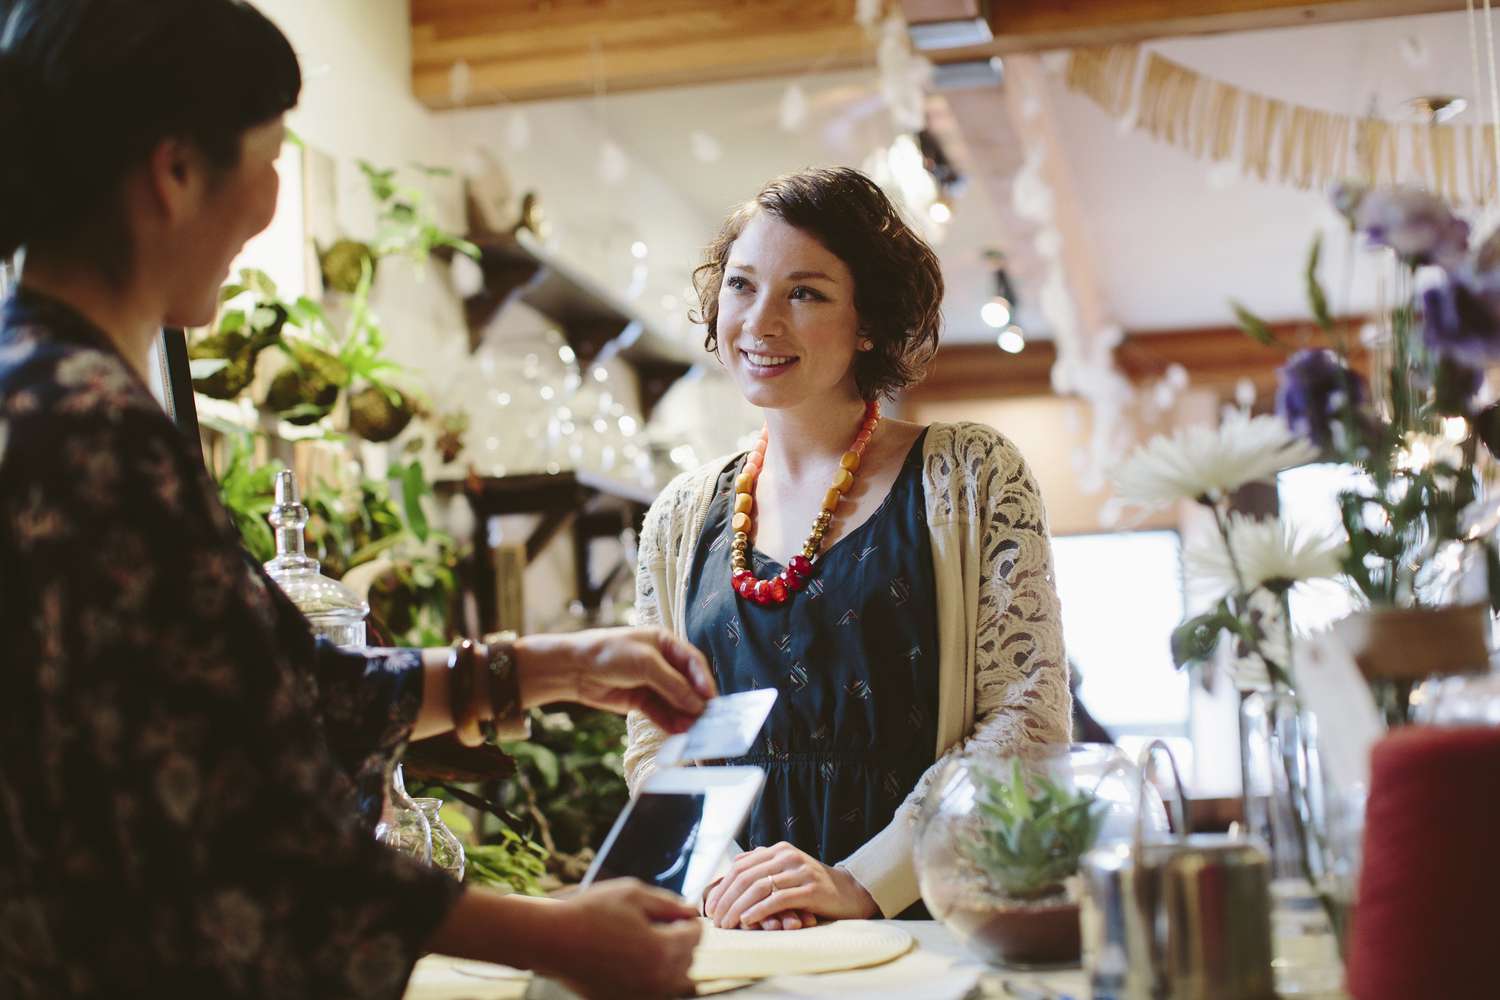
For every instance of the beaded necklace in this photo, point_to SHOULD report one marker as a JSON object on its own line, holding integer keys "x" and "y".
{"x": 799, "y": 569}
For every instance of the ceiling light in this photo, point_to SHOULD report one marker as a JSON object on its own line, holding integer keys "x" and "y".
{"x": 927, "y": 36}
{"x": 1012, "y": 340}
{"x": 995, "y": 312}
{"x": 939, "y": 212}
{"x": 638, "y": 250}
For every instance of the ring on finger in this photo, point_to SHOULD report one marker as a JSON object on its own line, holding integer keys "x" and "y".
{"x": 772, "y": 880}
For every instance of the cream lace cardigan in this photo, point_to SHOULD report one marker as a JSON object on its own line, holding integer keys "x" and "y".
{"x": 1003, "y": 679}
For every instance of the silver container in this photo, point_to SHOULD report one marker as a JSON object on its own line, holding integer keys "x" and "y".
{"x": 1187, "y": 919}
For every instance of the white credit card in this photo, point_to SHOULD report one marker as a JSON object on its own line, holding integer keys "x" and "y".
{"x": 727, "y": 728}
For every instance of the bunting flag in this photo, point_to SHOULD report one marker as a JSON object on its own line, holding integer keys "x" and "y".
{"x": 1277, "y": 141}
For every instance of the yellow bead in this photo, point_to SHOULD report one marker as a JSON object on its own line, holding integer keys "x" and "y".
{"x": 843, "y": 480}
{"x": 745, "y": 483}
{"x": 831, "y": 499}
{"x": 741, "y": 522}
{"x": 850, "y": 461}
{"x": 743, "y": 502}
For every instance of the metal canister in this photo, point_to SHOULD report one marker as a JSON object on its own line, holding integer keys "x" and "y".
{"x": 1186, "y": 919}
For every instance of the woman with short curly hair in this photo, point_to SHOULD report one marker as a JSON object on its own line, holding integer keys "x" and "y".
{"x": 891, "y": 580}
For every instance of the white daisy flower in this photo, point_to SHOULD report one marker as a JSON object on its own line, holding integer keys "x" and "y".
{"x": 1199, "y": 462}
{"x": 1272, "y": 555}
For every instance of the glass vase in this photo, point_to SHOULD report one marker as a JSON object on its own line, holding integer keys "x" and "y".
{"x": 1002, "y": 876}
{"x": 402, "y": 824}
{"x": 1311, "y": 832}
{"x": 447, "y": 849}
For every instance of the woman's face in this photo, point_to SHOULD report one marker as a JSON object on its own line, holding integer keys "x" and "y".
{"x": 229, "y": 210}
{"x": 787, "y": 329}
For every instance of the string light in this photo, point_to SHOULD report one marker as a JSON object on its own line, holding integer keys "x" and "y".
{"x": 1012, "y": 340}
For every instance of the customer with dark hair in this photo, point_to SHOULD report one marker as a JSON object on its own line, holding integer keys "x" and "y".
{"x": 918, "y": 619}
{"x": 186, "y": 777}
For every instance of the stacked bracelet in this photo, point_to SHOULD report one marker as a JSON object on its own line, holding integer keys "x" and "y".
{"x": 508, "y": 718}
{"x": 480, "y": 675}
{"x": 464, "y": 692}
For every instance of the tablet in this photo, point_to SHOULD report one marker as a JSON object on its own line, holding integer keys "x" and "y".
{"x": 675, "y": 831}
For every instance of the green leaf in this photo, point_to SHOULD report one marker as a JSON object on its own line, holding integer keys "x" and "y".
{"x": 1253, "y": 325}
{"x": 544, "y": 760}
{"x": 231, "y": 291}
{"x": 232, "y": 321}
{"x": 259, "y": 282}
{"x": 1316, "y": 299}
{"x": 201, "y": 368}
{"x": 413, "y": 487}
{"x": 1195, "y": 640}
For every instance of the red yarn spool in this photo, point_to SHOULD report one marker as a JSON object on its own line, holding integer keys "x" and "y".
{"x": 1427, "y": 922}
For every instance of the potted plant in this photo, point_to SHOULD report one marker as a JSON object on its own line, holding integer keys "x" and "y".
{"x": 1000, "y": 843}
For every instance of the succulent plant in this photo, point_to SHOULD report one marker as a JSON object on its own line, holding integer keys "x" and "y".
{"x": 1032, "y": 831}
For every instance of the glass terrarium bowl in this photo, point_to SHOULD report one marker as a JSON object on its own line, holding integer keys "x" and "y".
{"x": 999, "y": 838}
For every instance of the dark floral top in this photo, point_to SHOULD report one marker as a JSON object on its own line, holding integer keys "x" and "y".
{"x": 186, "y": 778}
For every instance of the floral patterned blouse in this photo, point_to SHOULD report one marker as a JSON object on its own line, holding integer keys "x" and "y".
{"x": 187, "y": 780}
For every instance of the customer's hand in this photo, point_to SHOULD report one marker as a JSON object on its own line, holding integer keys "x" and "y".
{"x": 769, "y": 883}
{"x": 619, "y": 670}
{"x": 623, "y": 939}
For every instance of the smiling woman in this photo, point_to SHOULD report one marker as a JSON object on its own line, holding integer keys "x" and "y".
{"x": 883, "y": 627}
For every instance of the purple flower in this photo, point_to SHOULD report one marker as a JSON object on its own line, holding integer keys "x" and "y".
{"x": 1418, "y": 225}
{"x": 1314, "y": 393}
{"x": 1346, "y": 196}
{"x": 1460, "y": 319}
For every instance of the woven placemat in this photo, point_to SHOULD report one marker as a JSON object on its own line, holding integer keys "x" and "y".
{"x": 836, "y": 947}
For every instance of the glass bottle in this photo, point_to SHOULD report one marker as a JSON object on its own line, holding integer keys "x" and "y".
{"x": 338, "y": 614}
{"x": 447, "y": 849}
{"x": 334, "y": 611}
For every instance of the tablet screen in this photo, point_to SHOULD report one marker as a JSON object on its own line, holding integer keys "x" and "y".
{"x": 656, "y": 844}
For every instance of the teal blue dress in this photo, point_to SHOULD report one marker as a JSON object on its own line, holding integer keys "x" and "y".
{"x": 855, "y": 658}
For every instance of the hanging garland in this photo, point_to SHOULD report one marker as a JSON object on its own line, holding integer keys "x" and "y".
{"x": 1275, "y": 140}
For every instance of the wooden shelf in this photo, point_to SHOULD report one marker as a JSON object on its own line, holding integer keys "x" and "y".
{"x": 591, "y": 506}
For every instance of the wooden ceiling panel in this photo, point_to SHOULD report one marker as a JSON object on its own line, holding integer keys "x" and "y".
{"x": 519, "y": 50}
{"x": 1039, "y": 25}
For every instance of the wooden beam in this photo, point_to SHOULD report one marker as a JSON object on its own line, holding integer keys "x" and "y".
{"x": 1215, "y": 357}
{"x": 521, "y": 50}
{"x": 1039, "y": 25}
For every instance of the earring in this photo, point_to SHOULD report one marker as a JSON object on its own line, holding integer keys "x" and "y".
{"x": 866, "y": 344}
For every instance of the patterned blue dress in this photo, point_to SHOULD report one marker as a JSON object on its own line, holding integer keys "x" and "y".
{"x": 855, "y": 657}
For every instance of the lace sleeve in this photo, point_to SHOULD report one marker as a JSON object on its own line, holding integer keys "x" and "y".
{"x": 644, "y": 736}
{"x": 1021, "y": 695}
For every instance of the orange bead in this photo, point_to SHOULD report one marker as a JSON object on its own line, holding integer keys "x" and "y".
{"x": 744, "y": 483}
{"x": 752, "y": 465}
{"x": 831, "y": 499}
{"x": 843, "y": 480}
{"x": 743, "y": 502}
{"x": 741, "y": 522}
{"x": 850, "y": 461}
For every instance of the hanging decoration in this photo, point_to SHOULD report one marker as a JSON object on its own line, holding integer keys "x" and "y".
{"x": 1275, "y": 140}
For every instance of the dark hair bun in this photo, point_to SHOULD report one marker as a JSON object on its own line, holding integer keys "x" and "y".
{"x": 89, "y": 87}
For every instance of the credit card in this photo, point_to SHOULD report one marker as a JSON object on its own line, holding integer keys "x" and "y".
{"x": 727, "y": 728}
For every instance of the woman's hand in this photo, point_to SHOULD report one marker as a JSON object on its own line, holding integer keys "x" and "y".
{"x": 772, "y": 887}
{"x": 622, "y": 938}
{"x": 619, "y": 670}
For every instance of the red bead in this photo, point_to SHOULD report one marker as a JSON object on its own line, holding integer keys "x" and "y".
{"x": 792, "y": 582}
{"x": 762, "y": 591}
{"x": 799, "y": 567}
{"x": 746, "y": 586}
{"x": 778, "y": 590}
{"x": 740, "y": 577}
